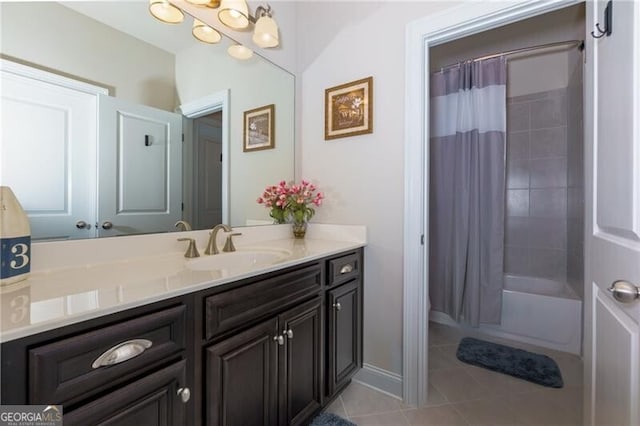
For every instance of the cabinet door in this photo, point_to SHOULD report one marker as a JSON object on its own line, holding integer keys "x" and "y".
{"x": 345, "y": 338}
{"x": 241, "y": 378}
{"x": 152, "y": 401}
{"x": 300, "y": 362}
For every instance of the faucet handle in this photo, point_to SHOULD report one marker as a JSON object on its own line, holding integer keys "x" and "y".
{"x": 228, "y": 245}
{"x": 192, "y": 250}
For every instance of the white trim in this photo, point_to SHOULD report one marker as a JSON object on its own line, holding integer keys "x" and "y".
{"x": 381, "y": 380}
{"x": 51, "y": 78}
{"x": 203, "y": 106}
{"x": 454, "y": 23}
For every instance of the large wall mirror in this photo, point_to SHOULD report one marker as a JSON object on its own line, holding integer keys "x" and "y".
{"x": 139, "y": 61}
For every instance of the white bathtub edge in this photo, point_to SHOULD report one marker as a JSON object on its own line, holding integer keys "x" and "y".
{"x": 572, "y": 347}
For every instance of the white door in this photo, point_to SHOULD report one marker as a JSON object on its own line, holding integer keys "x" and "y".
{"x": 47, "y": 153}
{"x": 208, "y": 173}
{"x": 612, "y": 328}
{"x": 139, "y": 168}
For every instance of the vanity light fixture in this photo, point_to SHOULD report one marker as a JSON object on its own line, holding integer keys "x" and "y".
{"x": 234, "y": 14}
{"x": 213, "y": 4}
{"x": 231, "y": 13}
{"x": 239, "y": 51}
{"x": 265, "y": 33}
{"x": 164, "y": 11}
{"x": 205, "y": 33}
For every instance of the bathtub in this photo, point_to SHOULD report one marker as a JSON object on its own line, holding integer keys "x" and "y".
{"x": 536, "y": 311}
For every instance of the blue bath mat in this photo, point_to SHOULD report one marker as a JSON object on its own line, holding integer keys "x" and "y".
{"x": 518, "y": 363}
{"x": 330, "y": 419}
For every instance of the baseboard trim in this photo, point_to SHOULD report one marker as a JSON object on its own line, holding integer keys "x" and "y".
{"x": 381, "y": 380}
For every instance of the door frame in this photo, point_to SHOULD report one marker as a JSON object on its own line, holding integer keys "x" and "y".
{"x": 451, "y": 24}
{"x": 218, "y": 101}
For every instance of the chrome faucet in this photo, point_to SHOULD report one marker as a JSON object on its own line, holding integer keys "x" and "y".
{"x": 212, "y": 246}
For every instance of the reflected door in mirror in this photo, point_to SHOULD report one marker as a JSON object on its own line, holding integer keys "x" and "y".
{"x": 140, "y": 168}
{"x": 48, "y": 154}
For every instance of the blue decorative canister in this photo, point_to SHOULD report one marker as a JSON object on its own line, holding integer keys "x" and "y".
{"x": 15, "y": 239}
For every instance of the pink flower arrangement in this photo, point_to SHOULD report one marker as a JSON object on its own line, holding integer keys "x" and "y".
{"x": 293, "y": 201}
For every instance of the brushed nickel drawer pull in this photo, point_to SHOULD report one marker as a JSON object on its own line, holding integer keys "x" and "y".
{"x": 346, "y": 269}
{"x": 122, "y": 352}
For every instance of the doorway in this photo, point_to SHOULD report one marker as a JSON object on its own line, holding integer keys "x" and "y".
{"x": 422, "y": 36}
{"x": 206, "y": 155}
{"x": 207, "y": 171}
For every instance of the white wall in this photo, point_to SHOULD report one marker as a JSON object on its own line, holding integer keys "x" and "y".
{"x": 363, "y": 176}
{"x": 202, "y": 70}
{"x": 54, "y": 38}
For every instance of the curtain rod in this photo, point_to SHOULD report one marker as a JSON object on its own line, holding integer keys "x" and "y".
{"x": 579, "y": 43}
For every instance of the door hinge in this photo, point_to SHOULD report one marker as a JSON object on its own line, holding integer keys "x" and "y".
{"x": 221, "y": 158}
{"x": 422, "y": 239}
{"x": 183, "y": 137}
{"x": 182, "y": 206}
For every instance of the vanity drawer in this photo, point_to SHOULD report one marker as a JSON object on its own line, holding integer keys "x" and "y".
{"x": 66, "y": 371}
{"x": 343, "y": 269}
{"x": 241, "y": 306}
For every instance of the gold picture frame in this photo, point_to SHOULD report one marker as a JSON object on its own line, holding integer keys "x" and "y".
{"x": 348, "y": 109}
{"x": 259, "y": 128}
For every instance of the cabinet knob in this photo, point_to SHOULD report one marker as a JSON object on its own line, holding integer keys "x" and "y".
{"x": 288, "y": 333}
{"x": 107, "y": 225}
{"x": 279, "y": 339}
{"x": 337, "y": 306}
{"x": 184, "y": 394}
{"x": 81, "y": 224}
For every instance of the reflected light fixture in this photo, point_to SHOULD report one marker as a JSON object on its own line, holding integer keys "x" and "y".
{"x": 164, "y": 11}
{"x": 205, "y": 33}
{"x": 239, "y": 51}
{"x": 234, "y": 14}
{"x": 231, "y": 13}
{"x": 265, "y": 34}
{"x": 213, "y": 4}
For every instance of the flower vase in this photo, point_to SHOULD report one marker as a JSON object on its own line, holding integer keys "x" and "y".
{"x": 299, "y": 228}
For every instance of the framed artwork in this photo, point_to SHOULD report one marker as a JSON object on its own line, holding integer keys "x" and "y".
{"x": 259, "y": 128}
{"x": 348, "y": 109}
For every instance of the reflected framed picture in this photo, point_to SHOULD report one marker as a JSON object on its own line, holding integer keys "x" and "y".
{"x": 259, "y": 128}
{"x": 348, "y": 109}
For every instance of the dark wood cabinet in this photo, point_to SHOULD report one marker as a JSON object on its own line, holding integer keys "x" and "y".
{"x": 344, "y": 347}
{"x": 300, "y": 362}
{"x": 267, "y": 350}
{"x": 154, "y": 400}
{"x": 270, "y": 374}
{"x": 241, "y": 378}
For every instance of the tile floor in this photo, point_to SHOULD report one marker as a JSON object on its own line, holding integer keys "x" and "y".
{"x": 461, "y": 394}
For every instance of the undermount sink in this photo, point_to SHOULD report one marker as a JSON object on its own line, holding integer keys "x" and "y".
{"x": 241, "y": 259}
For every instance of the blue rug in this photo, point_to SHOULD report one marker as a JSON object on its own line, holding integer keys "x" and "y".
{"x": 518, "y": 363}
{"x": 329, "y": 419}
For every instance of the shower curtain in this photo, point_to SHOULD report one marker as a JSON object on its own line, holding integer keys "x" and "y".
{"x": 467, "y": 190}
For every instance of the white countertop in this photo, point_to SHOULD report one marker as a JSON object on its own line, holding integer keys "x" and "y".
{"x": 74, "y": 281}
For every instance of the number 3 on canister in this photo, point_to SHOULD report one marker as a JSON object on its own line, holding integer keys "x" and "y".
{"x": 15, "y": 256}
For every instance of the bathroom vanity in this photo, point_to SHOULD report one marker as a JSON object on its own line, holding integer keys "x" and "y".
{"x": 269, "y": 344}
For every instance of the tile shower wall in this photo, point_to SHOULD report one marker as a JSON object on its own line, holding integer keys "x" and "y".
{"x": 575, "y": 178}
{"x": 536, "y": 219}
